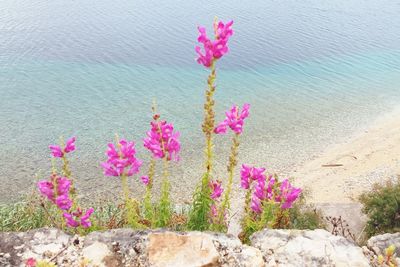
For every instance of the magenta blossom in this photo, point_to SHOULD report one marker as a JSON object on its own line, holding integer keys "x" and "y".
{"x": 57, "y": 191}
{"x": 213, "y": 49}
{"x": 77, "y": 218}
{"x": 63, "y": 202}
{"x": 145, "y": 180}
{"x": 256, "y": 204}
{"x": 216, "y": 189}
{"x": 288, "y": 194}
{"x": 234, "y": 120}
{"x": 162, "y": 141}
{"x": 248, "y": 174}
{"x": 121, "y": 161}
{"x": 214, "y": 211}
{"x": 59, "y": 152}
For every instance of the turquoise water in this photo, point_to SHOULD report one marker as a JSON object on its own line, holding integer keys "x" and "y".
{"x": 313, "y": 73}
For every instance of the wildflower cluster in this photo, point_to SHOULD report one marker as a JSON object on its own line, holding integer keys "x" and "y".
{"x": 58, "y": 189}
{"x": 267, "y": 189}
{"x": 121, "y": 161}
{"x": 213, "y": 49}
{"x": 233, "y": 120}
{"x": 162, "y": 141}
{"x": 267, "y": 199}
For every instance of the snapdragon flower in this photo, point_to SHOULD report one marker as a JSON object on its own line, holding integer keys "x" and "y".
{"x": 121, "y": 161}
{"x": 57, "y": 191}
{"x": 288, "y": 194}
{"x": 248, "y": 174}
{"x": 216, "y": 189}
{"x": 162, "y": 141}
{"x": 145, "y": 179}
{"x": 59, "y": 152}
{"x": 213, "y": 49}
{"x": 234, "y": 120}
{"x": 77, "y": 218}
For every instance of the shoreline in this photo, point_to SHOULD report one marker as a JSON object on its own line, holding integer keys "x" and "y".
{"x": 344, "y": 170}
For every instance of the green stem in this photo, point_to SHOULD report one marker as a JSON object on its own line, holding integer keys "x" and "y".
{"x": 231, "y": 168}
{"x": 148, "y": 207}
{"x": 131, "y": 215}
{"x": 165, "y": 203}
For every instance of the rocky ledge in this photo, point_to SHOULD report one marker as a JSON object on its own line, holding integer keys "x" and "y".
{"x": 125, "y": 247}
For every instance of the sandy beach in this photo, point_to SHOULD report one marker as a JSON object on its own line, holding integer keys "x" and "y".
{"x": 345, "y": 170}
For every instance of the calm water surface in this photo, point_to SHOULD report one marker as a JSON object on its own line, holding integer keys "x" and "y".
{"x": 314, "y": 71}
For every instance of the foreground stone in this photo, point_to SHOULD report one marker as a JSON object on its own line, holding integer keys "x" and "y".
{"x": 125, "y": 247}
{"x": 376, "y": 246}
{"x": 307, "y": 248}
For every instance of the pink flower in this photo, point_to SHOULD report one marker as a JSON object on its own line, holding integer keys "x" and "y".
{"x": 248, "y": 173}
{"x": 56, "y": 151}
{"x": 214, "y": 211}
{"x": 47, "y": 188}
{"x": 216, "y": 189}
{"x": 145, "y": 180}
{"x": 288, "y": 194}
{"x": 76, "y": 219}
{"x": 256, "y": 204}
{"x": 213, "y": 49}
{"x": 31, "y": 262}
{"x": 122, "y": 161}
{"x": 63, "y": 202}
{"x": 70, "y": 145}
{"x": 234, "y": 120}
{"x": 162, "y": 141}
{"x": 59, "y": 152}
{"x": 223, "y": 31}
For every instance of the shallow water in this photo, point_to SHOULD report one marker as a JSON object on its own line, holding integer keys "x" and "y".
{"x": 313, "y": 73}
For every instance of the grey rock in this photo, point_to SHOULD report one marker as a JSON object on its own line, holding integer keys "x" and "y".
{"x": 307, "y": 248}
{"x": 379, "y": 243}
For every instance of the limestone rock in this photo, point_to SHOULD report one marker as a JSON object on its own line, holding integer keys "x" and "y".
{"x": 307, "y": 248}
{"x": 379, "y": 243}
{"x": 173, "y": 249}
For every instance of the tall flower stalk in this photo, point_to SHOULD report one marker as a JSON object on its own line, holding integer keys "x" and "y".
{"x": 122, "y": 162}
{"x": 59, "y": 190}
{"x": 164, "y": 144}
{"x": 212, "y": 51}
{"x": 149, "y": 213}
{"x": 235, "y": 121}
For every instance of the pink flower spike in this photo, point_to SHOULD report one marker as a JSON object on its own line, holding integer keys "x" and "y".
{"x": 249, "y": 174}
{"x": 234, "y": 119}
{"x": 75, "y": 219}
{"x": 85, "y": 222}
{"x": 216, "y": 189}
{"x": 256, "y": 205}
{"x": 46, "y": 188}
{"x": 221, "y": 128}
{"x": 70, "y": 220}
{"x": 63, "y": 202}
{"x": 121, "y": 162}
{"x": 223, "y": 31}
{"x": 56, "y": 151}
{"x": 145, "y": 180}
{"x": 162, "y": 141}
{"x": 213, "y": 49}
{"x": 214, "y": 211}
{"x": 70, "y": 145}
{"x": 288, "y": 194}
